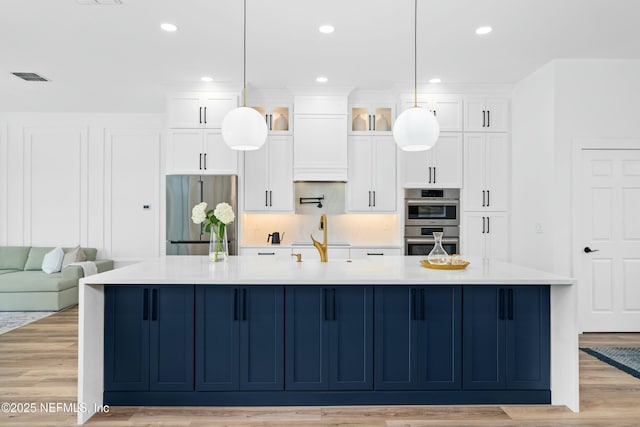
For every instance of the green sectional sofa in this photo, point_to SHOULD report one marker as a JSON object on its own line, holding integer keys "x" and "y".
{"x": 25, "y": 287}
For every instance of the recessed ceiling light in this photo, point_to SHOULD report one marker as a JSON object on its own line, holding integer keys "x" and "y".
{"x": 169, "y": 27}
{"x": 435, "y": 80}
{"x": 206, "y": 79}
{"x": 483, "y": 30}
{"x": 322, "y": 79}
{"x": 326, "y": 29}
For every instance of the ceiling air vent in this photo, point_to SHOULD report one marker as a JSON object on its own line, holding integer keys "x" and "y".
{"x": 31, "y": 77}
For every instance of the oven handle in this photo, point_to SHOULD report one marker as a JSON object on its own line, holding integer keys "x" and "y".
{"x": 420, "y": 202}
{"x": 430, "y": 240}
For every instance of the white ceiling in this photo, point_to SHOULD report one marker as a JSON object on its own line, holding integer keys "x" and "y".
{"x": 116, "y": 58}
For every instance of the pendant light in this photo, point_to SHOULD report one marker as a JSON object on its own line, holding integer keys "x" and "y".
{"x": 416, "y": 129}
{"x": 243, "y": 128}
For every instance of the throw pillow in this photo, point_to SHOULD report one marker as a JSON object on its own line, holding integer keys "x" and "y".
{"x": 74, "y": 255}
{"x": 52, "y": 262}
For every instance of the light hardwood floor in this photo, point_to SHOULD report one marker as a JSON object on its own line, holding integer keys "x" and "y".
{"x": 38, "y": 363}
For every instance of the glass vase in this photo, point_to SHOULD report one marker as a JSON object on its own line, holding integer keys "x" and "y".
{"x": 218, "y": 245}
{"x": 438, "y": 255}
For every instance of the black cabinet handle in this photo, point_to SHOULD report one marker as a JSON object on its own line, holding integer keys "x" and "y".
{"x": 325, "y": 297}
{"x": 205, "y": 115}
{"x": 422, "y": 305}
{"x": 154, "y": 305}
{"x": 414, "y": 312}
{"x": 266, "y": 197}
{"x": 488, "y": 118}
{"x": 375, "y": 253}
{"x": 369, "y": 198}
{"x": 205, "y": 161}
{"x": 333, "y": 304}
{"x": 510, "y": 309}
{"x": 266, "y": 253}
{"x": 374, "y": 198}
{"x": 200, "y": 115}
{"x": 484, "y": 118}
{"x": 200, "y": 161}
{"x": 435, "y": 113}
{"x": 270, "y": 121}
{"x": 270, "y": 198}
{"x": 373, "y": 120}
{"x": 483, "y": 229}
{"x": 488, "y": 198}
{"x": 145, "y": 304}
{"x": 429, "y": 174}
{"x": 501, "y": 304}
{"x": 483, "y": 198}
{"x": 434, "y": 174}
{"x": 488, "y": 224}
{"x": 235, "y": 304}
{"x": 244, "y": 304}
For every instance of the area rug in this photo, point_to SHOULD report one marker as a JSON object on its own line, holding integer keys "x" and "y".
{"x": 10, "y": 320}
{"x": 626, "y": 359}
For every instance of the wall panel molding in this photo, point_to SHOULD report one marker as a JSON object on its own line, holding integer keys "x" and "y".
{"x": 4, "y": 184}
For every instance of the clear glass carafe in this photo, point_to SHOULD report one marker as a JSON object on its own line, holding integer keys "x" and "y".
{"x": 438, "y": 255}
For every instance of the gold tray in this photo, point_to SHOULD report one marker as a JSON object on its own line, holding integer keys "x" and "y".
{"x": 427, "y": 264}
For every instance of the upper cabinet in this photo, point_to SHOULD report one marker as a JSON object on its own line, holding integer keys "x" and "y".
{"x": 200, "y": 151}
{"x": 372, "y": 174}
{"x": 268, "y": 176}
{"x": 486, "y": 114}
{"x": 200, "y": 110}
{"x": 371, "y": 118}
{"x": 276, "y": 117}
{"x": 447, "y": 110}
{"x": 439, "y": 167}
{"x": 486, "y": 178}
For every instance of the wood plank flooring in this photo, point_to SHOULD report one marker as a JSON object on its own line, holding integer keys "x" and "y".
{"x": 38, "y": 364}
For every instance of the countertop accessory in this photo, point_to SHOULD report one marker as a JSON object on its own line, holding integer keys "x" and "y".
{"x": 322, "y": 247}
{"x": 275, "y": 237}
{"x": 298, "y": 257}
{"x": 438, "y": 255}
{"x": 427, "y": 264}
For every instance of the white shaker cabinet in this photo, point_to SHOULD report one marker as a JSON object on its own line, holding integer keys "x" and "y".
{"x": 486, "y": 176}
{"x": 277, "y": 118}
{"x": 447, "y": 110}
{"x": 371, "y": 119}
{"x": 373, "y": 253}
{"x": 320, "y": 147}
{"x": 485, "y": 234}
{"x": 372, "y": 174}
{"x": 200, "y": 151}
{"x": 200, "y": 110}
{"x": 270, "y": 252}
{"x": 439, "y": 167}
{"x": 268, "y": 176}
{"x": 486, "y": 115}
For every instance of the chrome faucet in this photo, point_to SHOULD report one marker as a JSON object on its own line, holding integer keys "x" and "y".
{"x": 322, "y": 247}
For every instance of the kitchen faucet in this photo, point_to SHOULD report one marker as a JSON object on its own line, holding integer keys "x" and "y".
{"x": 322, "y": 247}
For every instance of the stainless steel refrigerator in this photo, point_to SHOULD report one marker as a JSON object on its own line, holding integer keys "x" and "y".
{"x": 183, "y": 193}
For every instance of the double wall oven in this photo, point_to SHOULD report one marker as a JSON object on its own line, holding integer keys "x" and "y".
{"x": 429, "y": 210}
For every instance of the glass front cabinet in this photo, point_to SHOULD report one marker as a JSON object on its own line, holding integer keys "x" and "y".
{"x": 276, "y": 117}
{"x": 371, "y": 119}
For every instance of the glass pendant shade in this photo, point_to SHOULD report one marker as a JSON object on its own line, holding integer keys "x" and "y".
{"x": 416, "y": 129}
{"x": 243, "y": 128}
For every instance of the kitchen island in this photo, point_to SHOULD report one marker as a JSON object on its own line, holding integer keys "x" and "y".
{"x": 180, "y": 330}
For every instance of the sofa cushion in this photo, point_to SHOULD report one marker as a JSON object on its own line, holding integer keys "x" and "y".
{"x": 34, "y": 281}
{"x": 13, "y": 257}
{"x": 74, "y": 255}
{"x": 90, "y": 253}
{"x": 52, "y": 262}
{"x": 8, "y": 271}
{"x": 36, "y": 256}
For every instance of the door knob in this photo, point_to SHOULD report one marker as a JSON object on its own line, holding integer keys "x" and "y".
{"x": 588, "y": 250}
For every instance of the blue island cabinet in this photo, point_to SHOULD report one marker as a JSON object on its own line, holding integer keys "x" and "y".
{"x": 329, "y": 338}
{"x": 506, "y": 331}
{"x": 418, "y": 342}
{"x": 239, "y": 338}
{"x": 148, "y": 338}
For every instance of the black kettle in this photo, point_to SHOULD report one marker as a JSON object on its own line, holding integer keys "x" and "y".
{"x": 275, "y": 238}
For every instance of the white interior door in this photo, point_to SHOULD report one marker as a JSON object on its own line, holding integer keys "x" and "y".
{"x": 610, "y": 275}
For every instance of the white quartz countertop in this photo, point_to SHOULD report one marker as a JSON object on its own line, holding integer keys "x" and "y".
{"x": 256, "y": 270}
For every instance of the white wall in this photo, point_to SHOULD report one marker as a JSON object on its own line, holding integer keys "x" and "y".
{"x": 81, "y": 179}
{"x": 590, "y": 99}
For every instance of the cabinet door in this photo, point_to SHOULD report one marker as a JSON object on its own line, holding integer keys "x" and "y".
{"x": 280, "y": 169}
{"x": 185, "y": 111}
{"x": 185, "y": 154}
{"x": 373, "y": 253}
{"x": 439, "y": 338}
{"x": 474, "y": 115}
{"x": 351, "y": 338}
{"x": 496, "y": 166}
{"x": 497, "y": 115}
{"x": 395, "y": 353}
{"x": 384, "y": 174}
{"x": 310, "y": 253}
{"x": 261, "y": 338}
{"x": 306, "y": 338}
{"x": 473, "y": 233}
{"x": 126, "y": 338}
{"x": 217, "y": 327}
{"x": 449, "y": 114}
{"x": 215, "y": 108}
{"x": 218, "y": 157}
{"x": 447, "y": 161}
{"x": 527, "y": 339}
{"x": 359, "y": 189}
{"x": 497, "y": 236}
{"x": 483, "y": 336}
{"x": 474, "y": 191}
{"x": 269, "y": 251}
{"x": 256, "y": 192}
{"x": 320, "y": 147}
{"x": 171, "y": 338}
{"x": 417, "y": 164}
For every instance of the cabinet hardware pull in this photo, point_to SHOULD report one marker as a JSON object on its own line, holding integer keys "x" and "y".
{"x": 244, "y": 304}
{"x": 235, "y": 304}
{"x": 266, "y": 197}
{"x": 422, "y": 305}
{"x": 374, "y": 198}
{"x": 435, "y": 113}
{"x": 488, "y": 118}
{"x": 270, "y": 121}
{"x": 205, "y": 159}
{"x": 373, "y": 121}
{"x": 414, "y": 313}
{"x": 434, "y": 174}
{"x": 270, "y": 198}
{"x": 375, "y": 253}
{"x": 488, "y": 224}
{"x": 333, "y": 304}
{"x": 429, "y": 174}
{"x": 501, "y": 304}
{"x": 483, "y": 198}
{"x": 325, "y": 297}
{"x": 266, "y": 253}
{"x": 488, "y": 198}
{"x": 200, "y": 115}
{"x": 369, "y": 198}
{"x": 484, "y": 118}
{"x": 200, "y": 161}
{"x": 145, "y": 304}
{"x": 510, "y": 308}
{"x": 483, "y": 226}
{"x": 205, "y": 115}
{"x": 154, "y": 304}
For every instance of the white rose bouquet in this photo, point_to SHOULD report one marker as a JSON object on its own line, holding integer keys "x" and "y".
{"x": 214, "y": 221}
